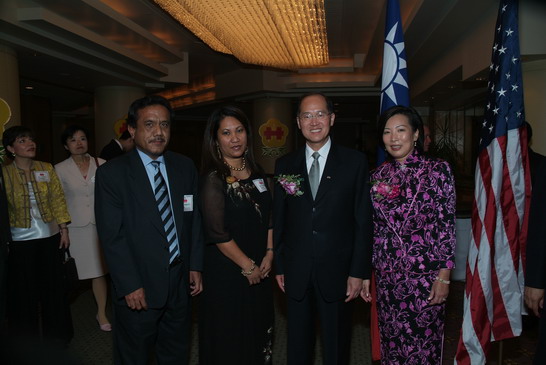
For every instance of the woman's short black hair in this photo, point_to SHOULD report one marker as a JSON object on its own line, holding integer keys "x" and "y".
{"x": 70, "y": 131}
{"x": 12, "y": 133}
{"x": 414, "y": 119}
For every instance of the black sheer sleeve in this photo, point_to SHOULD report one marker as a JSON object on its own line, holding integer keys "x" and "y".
{"x": 213, "y": 210}
{"x": 270, "y": 185}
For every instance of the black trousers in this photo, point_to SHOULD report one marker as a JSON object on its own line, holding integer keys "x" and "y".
{"x": 540, "y": 354}
{"x": 166, "y": 329}
{"x": 335, "y": 330}
{"x": 38, "y": 304}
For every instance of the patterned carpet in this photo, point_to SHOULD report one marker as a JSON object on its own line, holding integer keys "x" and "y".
{"x": 91, "y": 346}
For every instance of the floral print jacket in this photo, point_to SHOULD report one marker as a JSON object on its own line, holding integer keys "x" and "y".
{"x": 414, "y": 215}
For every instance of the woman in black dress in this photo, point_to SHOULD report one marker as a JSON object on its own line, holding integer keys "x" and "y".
{"x": 236, "y": 311}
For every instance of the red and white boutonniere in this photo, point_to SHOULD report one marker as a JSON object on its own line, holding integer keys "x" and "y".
{"x": 382, "y": 190}
{"x": 291, "y": 184}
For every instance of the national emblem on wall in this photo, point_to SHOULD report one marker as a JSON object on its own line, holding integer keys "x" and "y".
{"x": 273, "y": 134}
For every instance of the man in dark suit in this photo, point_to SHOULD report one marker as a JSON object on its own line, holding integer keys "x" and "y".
{"x": 117, "y": 147}
{"x": 150, "y": 230}
{"x": 5, "y": 238}
{"x": 323, "y": 237}
{"x": 535, "y": 273}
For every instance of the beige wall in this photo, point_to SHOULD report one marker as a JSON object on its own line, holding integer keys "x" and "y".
{"x": 9, "y": 84}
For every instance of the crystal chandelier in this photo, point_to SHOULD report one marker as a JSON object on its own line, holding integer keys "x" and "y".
{"x": 286, "y": 34}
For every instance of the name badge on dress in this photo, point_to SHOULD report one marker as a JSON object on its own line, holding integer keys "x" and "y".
{"x": 188, "y": 203}
{"x": 260, "y": 185}
{"x": 41, "y": 176}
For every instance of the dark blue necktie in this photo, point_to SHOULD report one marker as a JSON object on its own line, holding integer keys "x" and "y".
{"x": 164, "y": 205}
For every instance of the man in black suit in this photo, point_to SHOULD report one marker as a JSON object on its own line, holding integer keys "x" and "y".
{"x": 322, "y": 238}
{"x": 117, "y": 147}
{"x": 535, "y": 273}
{"x": 150, "y": 230}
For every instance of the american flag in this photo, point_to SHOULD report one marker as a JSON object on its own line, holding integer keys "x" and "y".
{"x": 493, "y": 301}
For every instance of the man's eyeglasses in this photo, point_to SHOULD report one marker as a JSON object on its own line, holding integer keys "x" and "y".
{"x": 319, "y": 115}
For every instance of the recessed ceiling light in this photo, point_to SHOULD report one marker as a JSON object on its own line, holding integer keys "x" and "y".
{"x": 29, "y": 87}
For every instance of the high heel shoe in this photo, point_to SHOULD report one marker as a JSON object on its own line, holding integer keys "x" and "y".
{"x": 107, "y": 327}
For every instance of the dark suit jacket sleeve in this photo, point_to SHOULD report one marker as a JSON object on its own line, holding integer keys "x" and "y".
{"x": 535, "y": 275}
{"x": 5, "y": 238}
{"x": 278, "y": 220}
{"x": 361, "y": 263}
{"x": 109, "y": 217}
{"x": 110, "y": 151}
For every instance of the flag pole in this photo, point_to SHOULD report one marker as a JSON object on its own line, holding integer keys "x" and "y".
{"x": 501, "y": 343}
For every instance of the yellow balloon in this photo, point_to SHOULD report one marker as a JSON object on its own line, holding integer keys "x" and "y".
{"x": 120, "y": 126}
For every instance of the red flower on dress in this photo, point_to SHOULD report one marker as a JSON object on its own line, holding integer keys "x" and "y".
{"x": 382, "y": 190}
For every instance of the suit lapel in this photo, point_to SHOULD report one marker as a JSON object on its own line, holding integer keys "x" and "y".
{"x": 142, "y": 189}
{"x": 176, "y": 188}
{"x": 74, "y": 170}
{"x": 300, "y": 165}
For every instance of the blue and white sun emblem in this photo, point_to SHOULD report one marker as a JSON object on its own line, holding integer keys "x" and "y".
{"x": 394, "y": 66}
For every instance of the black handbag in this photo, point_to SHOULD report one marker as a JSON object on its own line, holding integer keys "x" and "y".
{"x": 70, "y": 271}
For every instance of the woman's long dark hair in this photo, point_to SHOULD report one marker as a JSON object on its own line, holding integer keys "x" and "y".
{"x": 210, "y": 161}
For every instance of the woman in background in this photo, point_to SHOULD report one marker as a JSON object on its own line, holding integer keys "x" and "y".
{"x": 236, "y": 312}
{"x": 77, "y": 175}
{"x": 37, "y": 300}
{"x": 413, "y": 198}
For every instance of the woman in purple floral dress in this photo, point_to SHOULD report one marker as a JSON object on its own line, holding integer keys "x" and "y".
{"x": 414, "y": 240}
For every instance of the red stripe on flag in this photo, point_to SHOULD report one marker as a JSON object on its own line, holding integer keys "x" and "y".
{"x": 474, "y": 290}
{"x": 527, "y": 170}
{"x": 509, "y": 210}
{"x": 501, "y": 325}
{"x": 478, "y": 307}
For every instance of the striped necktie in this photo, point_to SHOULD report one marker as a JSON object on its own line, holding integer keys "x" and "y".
{"x": 164, "y": 205}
